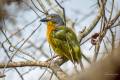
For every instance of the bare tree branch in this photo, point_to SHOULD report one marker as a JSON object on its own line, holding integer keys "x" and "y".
{"x": 54, "y": 66}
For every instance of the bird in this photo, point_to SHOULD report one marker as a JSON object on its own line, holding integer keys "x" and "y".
{"x": 62, "y": 39}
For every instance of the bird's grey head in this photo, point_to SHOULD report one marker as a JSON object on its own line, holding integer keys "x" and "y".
{"x": 53, "y": 18}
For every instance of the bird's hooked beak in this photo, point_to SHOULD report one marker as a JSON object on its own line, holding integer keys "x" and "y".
{"x": 44, "y": 20}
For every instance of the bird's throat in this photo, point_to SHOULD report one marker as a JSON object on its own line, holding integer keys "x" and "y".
{"x": 50, "y": 28}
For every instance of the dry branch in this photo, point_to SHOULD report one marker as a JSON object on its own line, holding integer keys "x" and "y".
{"x": 54, "y": 66}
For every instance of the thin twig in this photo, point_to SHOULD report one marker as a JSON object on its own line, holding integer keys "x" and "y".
{"x": 23, "y": 44}
{"x": 11, "y": 61}
{"x": 64, "y": 15}
{"x": 37, "y": 7}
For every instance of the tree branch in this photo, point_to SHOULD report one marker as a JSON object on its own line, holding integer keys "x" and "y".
{"x": 54, "y": 66}
{"x": 92, "y": 25}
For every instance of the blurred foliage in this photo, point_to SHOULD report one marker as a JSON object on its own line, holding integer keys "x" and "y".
{"x": 4, "y": 13}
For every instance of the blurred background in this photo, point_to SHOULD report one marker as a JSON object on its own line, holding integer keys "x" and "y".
{"x": 23, "y": 36}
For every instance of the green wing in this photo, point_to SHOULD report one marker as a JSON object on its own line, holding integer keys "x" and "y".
{"x": 67, "y": 44}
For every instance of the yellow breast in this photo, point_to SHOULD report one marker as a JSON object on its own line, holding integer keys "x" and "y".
{"x": 51, "y": 40}
{"x": 50, "y": 28}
